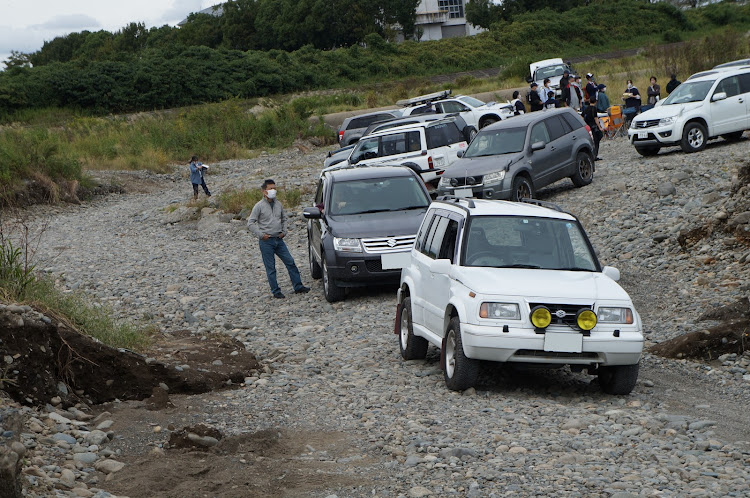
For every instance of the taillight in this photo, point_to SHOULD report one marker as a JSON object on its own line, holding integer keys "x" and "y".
{"x": 588, "y": 129}
{"x": 341, "y": 135}
{"x": 429, "y": 163}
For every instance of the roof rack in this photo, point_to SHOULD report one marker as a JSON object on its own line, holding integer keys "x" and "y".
{"x": 448, "y": 198}
{"x": 545, "y": 204}
{"x": 424, "y": 98}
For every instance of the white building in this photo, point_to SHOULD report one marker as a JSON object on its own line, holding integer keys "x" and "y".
{"x": 438, "y": 19}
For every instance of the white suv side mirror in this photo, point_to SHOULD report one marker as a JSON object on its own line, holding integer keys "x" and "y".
{"x": 719, "y": 96}
{"x": 441, "y": 266}
{"x": 611, "y": 272}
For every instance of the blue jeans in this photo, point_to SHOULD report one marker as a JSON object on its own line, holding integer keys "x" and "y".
{"x": 276, "y": 246}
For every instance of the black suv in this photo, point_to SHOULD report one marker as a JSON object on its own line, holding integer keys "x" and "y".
{"x": 362, "y": 225}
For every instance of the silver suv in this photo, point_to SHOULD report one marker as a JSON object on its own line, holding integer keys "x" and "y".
{"x": 519, "y": 283}
{"x": 352, "y": 128}
{"x": 514, "y": 158}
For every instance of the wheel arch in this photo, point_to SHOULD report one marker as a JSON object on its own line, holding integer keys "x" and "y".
{"x": 701, "y": 121}
{"x": 490, "y": 115}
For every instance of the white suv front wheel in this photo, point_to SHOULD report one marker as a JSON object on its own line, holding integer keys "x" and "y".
{"x": 460, "y": 372}
{"x": 694, "y": 137}
{"x": 412, "y": 347}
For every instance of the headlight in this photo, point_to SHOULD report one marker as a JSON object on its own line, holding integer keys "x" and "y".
{"x": 540, "y": 317}
{"x": 500, "y": 311}
{"x": 586, "y": 319}
{"x": 494, "y": 177}
{"x": 347, "y": 245}
{"x": 444, "y": 182}
{"x": 615, "y": 315}
{"x": 666, "y": 121}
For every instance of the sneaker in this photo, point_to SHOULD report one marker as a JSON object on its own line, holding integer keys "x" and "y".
{"x": 279, "y": 296}
{"x": 302, "y": 290}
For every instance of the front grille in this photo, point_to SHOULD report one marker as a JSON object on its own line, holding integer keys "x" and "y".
{"x": 471, "y": 181}
{"x": 650, "y": 123}
{"x": 373, "y": 265}
{"x": 570, "y": 310}
{"x": 381, "y": 245}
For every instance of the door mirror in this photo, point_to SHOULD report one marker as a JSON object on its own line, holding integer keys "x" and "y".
{"x": 312, "y": 213}
{"x": 441, "y": 266}
{"x": 460, "y": 153}
{"x": 611, "y": 272}
{"x": 719, "y": 96}
{"x": 538, "y": 146}
{"x": 529, "y": 79}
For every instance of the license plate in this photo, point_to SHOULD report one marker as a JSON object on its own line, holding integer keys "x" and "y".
{"x": 395, "y": 260}
{"x": 563, "y": 342}
{"x": 439, "y": 162}
{"x": 642, "y": 135}
{"x": 463, "y": 192}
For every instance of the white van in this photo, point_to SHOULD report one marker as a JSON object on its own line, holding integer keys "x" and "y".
{"x": 427, "y": 148}
{"x": 706, "y": 106}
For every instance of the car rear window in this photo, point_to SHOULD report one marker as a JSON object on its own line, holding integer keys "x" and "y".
{"x": 574, "y": 122}
{"x": 374, "y": 195}
{"x": 365, "y": 121}
{"x": 555, "y": 127}
{"x": 443, "y": 134}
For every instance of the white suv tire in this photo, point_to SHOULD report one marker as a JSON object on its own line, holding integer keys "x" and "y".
{"x": 618, "y": 379}
{"x": 694, "y": 137}
{"x": 460, "y": 372}
{"x": 412, "y": 347}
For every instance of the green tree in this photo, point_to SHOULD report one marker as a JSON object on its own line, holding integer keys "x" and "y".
{"x": 483, "y": 13}
{"x": 17, "y": 59}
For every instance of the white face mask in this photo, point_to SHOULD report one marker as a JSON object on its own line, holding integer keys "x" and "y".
{"x": 630, "y": 85}
{"x": 271, "y": 193}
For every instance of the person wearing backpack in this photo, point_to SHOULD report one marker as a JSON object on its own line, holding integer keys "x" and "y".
{"x": 518, "y": 107}
{"x": 535, "y": 102}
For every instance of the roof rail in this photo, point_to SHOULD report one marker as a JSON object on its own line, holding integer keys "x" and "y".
{"x": 424, "y": 98}
{"x": 448, "y": 198}
{"x": 545, "y": 204}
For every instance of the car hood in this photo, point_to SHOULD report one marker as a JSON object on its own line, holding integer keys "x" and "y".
{"x": 384, "y": 224}
{"x": 543, "y": 285}
{"x": 667, "y": 111}
{"x": 478, "y": 165}
{"x": 506, "y": 106}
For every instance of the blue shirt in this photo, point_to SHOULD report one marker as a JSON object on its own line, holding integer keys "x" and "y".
{"x": 196, "y": 172}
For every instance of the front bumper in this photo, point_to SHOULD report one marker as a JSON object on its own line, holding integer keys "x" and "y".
{"x": 654, "y": 136}
{"x": 361, "y": 269}
{"x": 490, "y": 343}
{"x": 490, "y": 191}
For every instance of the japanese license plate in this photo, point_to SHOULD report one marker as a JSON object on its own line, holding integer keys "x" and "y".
{"x": 463, "y": 192}
{"x": 395, "y": 260}
{"x": 439, "y": 162}
{"x": 563, "y": 342}
{"x": 642, "y": 135}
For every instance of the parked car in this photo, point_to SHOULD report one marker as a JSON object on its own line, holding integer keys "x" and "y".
{"x": 351, "y": 129}
{"x": 362, "y": 226}
{"x": 517, "y": 283}
{"x": 548, "y": 68}
{"x": 343, "y": 153}
{"x": 476, "y": 113}
{"x": 514, "y": 158}
{"x": 739, "y": 62}
{"x": 427, "y": 147}
{"x": 713, "y": 104}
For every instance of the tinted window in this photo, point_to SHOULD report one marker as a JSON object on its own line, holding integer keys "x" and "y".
{"x": 555, "y": 128}
{"x": 423, "y": 109}
{"x": 424, "y": 230}
{"x": 539, "y": 133}
{"x": 453, "y": 107}
{"x": 744, "y": 82}
{"x": 572, "y": 121}
{"x": 448, "y": 247}
{"x": 377, "y": 195}
{"x": 366, "y": 148}
{"x": 436, "y": 241}
{"x": 494, "y": 142}
{"x": 365, "y": 121}
{"x": 443, "y": 134}
{"x": 731, "y": 86}
{"x": 319, "y": 193}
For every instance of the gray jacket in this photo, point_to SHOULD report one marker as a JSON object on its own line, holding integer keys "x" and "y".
{"x": 267, "y": 218}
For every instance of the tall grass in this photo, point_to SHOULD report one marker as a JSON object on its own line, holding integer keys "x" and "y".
{"x": 235, "y": 201}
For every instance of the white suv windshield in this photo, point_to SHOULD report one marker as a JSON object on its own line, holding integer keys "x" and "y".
{"x": 377, "y": 195}
{"x": 690, "y": 91}
{"x": 472, "y": 101}
{"x": 550, "y": 71}
{"x": 527, "y": 242}
{"x": 495, "y": 142}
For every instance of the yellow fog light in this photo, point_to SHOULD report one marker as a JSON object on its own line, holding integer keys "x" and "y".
{"x": 586, "y": 319}
{"x": 541, "y": 317}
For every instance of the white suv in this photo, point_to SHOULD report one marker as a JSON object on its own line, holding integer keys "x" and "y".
{"x": 427, "y": 148}
{"x": 708, "y": 105}
{"x": 475, "y": 112}
{"x": 514, "y": 282}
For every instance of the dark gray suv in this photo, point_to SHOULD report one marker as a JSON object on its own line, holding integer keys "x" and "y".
{"x": 362, "y": 225}
{"x": 352, "y": 128}
{"x": 515, "y": 157}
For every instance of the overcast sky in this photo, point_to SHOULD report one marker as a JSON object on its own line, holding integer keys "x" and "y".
{"x": 26, "y": 24}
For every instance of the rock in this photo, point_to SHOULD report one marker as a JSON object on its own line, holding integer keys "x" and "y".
{"x": 665, "y": 189}
{"x": 96, "y": 437}
{"x": 105, "y": 425}
{"x": 109, "y": 466}
{"x": 419, "y": 492}
{"x": 205, "y": 441}
{"x": 60, "y": 436}
{"x": 68, "y": 478}
{"x": 86, "y": 457}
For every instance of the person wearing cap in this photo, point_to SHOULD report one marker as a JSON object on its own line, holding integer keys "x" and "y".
{"x": 565, "y": 87}
{"x": 535, "y": 102}
{"x": 591, "y": 89}
{"x": 602, "y": 99}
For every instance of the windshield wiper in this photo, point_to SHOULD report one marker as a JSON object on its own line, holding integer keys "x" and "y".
{"x": 373, "y": 211}
{"x": 409, "y": 207}
{"x": 573, "y": 268}
{"x": 520, "y": 265}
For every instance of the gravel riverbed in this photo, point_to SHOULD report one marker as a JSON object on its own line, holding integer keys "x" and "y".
{"x": 684, "y": 431}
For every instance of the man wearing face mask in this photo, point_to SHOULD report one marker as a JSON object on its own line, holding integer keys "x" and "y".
{"x": 267, "y": 221}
